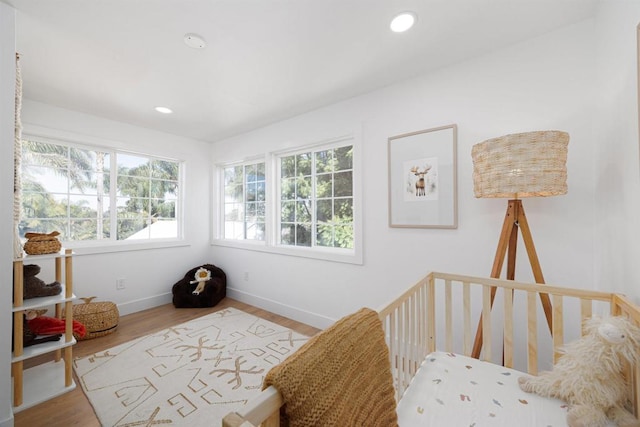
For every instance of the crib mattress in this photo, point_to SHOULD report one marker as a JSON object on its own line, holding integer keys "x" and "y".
{"x": 454, "y": 390}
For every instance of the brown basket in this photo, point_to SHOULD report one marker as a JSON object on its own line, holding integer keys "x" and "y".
{"x": 40, "y": 244}
{"x": 99, "y": 318}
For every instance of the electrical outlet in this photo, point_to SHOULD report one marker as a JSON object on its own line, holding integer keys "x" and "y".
{"x": 246, "y": 276}
{"x": 120, "y": 284}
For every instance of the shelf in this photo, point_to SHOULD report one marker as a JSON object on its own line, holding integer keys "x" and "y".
{"x": 48, "y": 380}
{"x": 38, "y": 302}
{"x": 47, "y": 347}
{"x": 42, "y": 383}
{"x": 33, "y": 258}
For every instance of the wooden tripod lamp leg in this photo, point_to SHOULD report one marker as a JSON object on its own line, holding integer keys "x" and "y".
{"x": 515, "y": 218}
{"x": 535, "y": 264}
{"x": 508, "y": 227}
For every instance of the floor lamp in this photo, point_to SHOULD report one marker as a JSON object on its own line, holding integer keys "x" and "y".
{"x": 531, "y": 164}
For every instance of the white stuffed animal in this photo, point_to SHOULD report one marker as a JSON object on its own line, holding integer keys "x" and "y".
{"x": 589, "y": 375}
{"x": 202, "y": 276}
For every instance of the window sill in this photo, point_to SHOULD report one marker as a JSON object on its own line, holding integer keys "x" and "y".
{"x": 335, "y": 255}
{"x": 92, "y": 248}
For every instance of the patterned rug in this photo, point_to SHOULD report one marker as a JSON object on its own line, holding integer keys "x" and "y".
{"x": 191, "y": 374}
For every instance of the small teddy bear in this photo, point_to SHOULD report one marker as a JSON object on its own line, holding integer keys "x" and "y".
{"x": 202, "y": 276}
{"x": 589, "y": 375}
{"x": 34, "y": 286}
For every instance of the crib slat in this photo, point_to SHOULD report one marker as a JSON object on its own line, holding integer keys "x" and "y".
{"x": 431, "y": 314}
{"x": 423, "y": 320}
{"x": 419, "y": 332}
{"x": 393, "y": 339}
{"x": 532, "y": 333}
{"x": 622, "y": 307}
{"x": 405, "y": 347}
{"x": 412, "y": 338}
{"x": 466, "y": 307}
{"x": 486, "y": 323}
{"x": 508, "y": 328}
{"x": 586, "y": 308}
{"x": 272, "y": 421}
{"x": 448, "y": 316}
{"x": 401, "y": 347}
{"x": 414, "y": 333}
{"x": 409, "y": 343}
{"x": 558, "y": 326}
{"x": 635, "y": 393}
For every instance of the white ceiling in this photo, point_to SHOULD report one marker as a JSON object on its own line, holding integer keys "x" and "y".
{"x": 265, "y": 60}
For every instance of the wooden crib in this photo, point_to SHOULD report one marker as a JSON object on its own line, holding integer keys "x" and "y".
{"x": 459, "y": 315}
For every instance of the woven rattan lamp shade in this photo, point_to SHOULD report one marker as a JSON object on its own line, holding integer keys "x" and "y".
{"x": 530, "y": 164}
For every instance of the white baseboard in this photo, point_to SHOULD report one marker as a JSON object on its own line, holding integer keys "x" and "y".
{"x": 307, "y": 317}
{"x": 303, "y": 316}
{"x": 7, "y": 422}
{"x": 144, "y": 304}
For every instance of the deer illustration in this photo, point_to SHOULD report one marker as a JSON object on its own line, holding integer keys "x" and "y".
{"x": 420, "y": 184}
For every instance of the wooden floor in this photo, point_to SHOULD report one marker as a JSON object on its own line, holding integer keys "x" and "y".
{"x": 73, "y": 408}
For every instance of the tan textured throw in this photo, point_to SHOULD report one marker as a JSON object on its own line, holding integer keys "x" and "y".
{"x": 341, "y": 377}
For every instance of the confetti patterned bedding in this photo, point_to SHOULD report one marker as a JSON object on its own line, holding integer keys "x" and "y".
{"x": 454, "y": 390}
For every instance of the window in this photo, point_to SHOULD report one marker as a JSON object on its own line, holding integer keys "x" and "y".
{"x": 302, "y": 202}
{"x": 90, "y": 194}
{"x": 316, "y": 198}
{"x": 245, "y": 201}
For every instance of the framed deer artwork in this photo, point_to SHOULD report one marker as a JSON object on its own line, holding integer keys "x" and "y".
{"x": 423, "y": 179}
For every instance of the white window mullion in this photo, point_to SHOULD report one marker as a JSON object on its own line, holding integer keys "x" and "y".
{"x": 276, "y": 202}
{"x": 313, "y": 200}
{"x": 180, "y": 201}
{"x": 68, "y": 171}
{"x": 113, "y": 190}
{"x": 273, "y": 172}
{"x": 244, "y": 202}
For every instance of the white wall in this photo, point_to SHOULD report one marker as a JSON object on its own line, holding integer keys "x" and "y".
{"x": 149, "y": 273}
{"x": 7, "y": 109}
{"x": 544, "y": 83}
{"x": 617, "y": 192}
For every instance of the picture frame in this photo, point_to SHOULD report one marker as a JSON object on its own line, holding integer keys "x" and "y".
{"x": 423, "y": 187}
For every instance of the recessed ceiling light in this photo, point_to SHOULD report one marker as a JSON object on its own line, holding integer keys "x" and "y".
{"x": 164, "y": 110}
{"x": 195, "y": 41}
{"x": 402, "y": 22}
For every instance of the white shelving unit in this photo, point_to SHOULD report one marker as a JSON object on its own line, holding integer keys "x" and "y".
{"x": 45, "y": 381}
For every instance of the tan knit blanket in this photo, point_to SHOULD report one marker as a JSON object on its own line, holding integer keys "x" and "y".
{"x": 340, "y": 377}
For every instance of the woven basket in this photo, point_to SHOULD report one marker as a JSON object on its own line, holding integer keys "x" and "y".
{"x": 531, "y": 164}
{"x": 40, "y": 244}
{"x": 99, "y": 318}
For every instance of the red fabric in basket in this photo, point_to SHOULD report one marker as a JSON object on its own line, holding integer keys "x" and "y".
{"x": 43, "y": 325}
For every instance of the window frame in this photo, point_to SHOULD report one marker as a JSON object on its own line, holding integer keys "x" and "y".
{"x": 223, "y": 202}
{"x": 271, "y": 243}
{"x": 110, "y": 244}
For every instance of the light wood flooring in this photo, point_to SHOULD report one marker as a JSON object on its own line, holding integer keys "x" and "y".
{"x": 73, "y": 408}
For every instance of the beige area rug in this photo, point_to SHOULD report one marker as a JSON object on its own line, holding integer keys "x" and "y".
{"x": 191, "y": 375}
